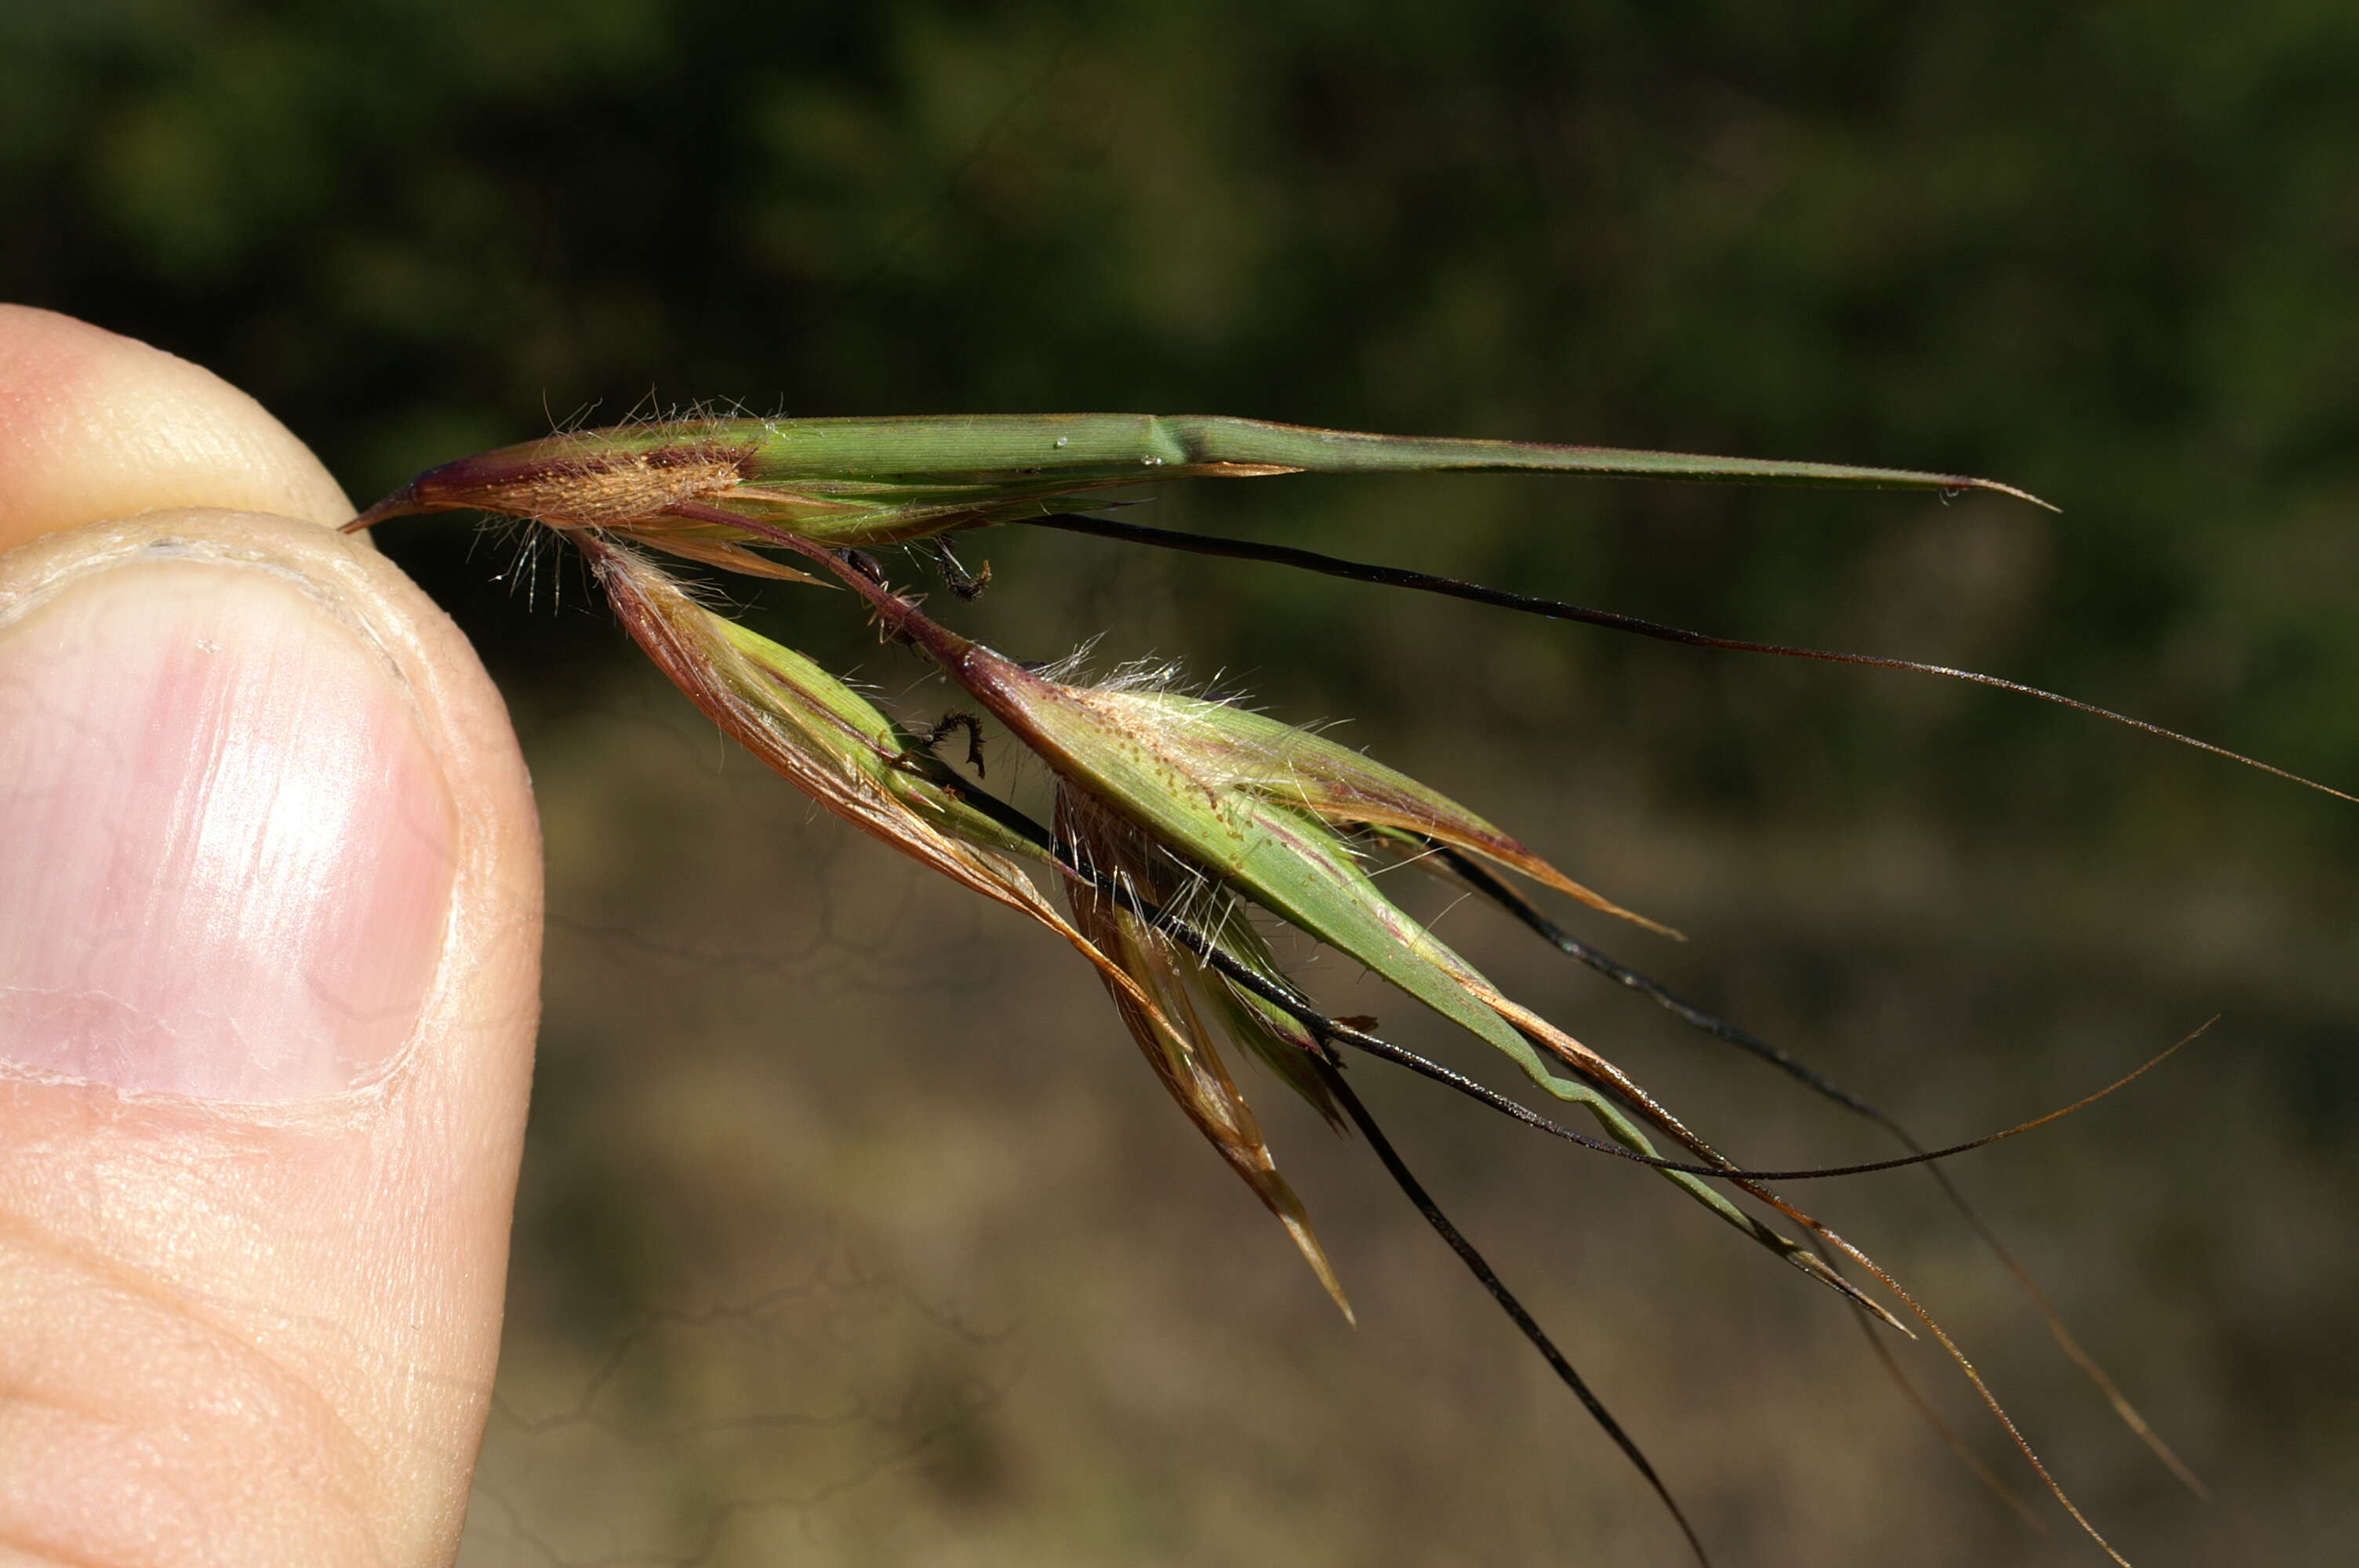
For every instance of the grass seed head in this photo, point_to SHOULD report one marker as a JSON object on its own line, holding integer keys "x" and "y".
{"x": 1164, "y": 800}
{"x": 1170, "y": 775}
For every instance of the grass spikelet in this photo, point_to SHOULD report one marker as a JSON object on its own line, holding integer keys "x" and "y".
{"x": 1176, "y": 815}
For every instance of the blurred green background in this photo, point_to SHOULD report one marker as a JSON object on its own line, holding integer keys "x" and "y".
{"x": 852, "y": 1229}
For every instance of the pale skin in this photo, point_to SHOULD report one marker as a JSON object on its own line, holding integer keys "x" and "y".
{"x": 257, "y": 1161}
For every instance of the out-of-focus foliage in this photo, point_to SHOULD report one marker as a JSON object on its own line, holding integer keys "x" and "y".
{"x": 2105, "y": 252}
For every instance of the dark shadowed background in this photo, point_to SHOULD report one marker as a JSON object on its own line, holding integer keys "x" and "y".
{"x": 852, "y": 1230}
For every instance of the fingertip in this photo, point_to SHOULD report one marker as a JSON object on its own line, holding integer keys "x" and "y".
{"x": 96, "y": 425}
{"x": 254, "y": 1196}
{"x": 255, "y": 1188}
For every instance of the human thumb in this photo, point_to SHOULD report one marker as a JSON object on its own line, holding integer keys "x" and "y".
{"x": 269, "y": 931}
